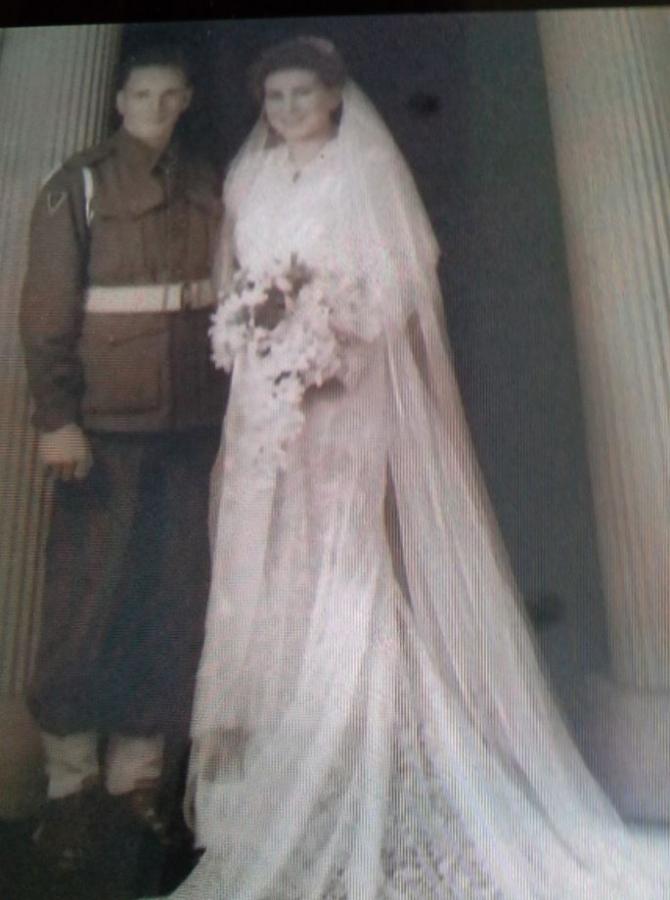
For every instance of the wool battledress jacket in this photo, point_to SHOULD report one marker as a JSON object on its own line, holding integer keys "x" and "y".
{"x": 146, "y": 219}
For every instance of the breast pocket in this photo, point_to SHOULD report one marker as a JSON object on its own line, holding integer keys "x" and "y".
{"x": 126, "y": 362}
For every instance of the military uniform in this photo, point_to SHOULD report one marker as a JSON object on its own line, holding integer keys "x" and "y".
{"x": 114, "y": 320}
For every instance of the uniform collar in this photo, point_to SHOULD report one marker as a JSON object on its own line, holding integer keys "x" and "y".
{"x": 135, "y": 188}
{"x": 139, "y": 156}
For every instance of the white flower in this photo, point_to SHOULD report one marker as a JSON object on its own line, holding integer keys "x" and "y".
{"x": 294, "y": 325}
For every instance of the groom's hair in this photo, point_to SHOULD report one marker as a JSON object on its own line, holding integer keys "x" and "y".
{"x": 314, "y": 54}
{"x": 169, "y": 56}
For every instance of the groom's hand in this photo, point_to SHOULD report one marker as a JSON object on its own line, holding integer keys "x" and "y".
{"x": 66, "y": 452}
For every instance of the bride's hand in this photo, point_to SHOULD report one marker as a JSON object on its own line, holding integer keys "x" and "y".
{"x": 332, "y": 388}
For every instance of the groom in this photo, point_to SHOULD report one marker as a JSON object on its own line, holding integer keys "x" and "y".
{"x": 115, "y": 315}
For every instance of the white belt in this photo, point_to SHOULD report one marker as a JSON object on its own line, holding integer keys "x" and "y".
{"x": 150, "y": 298}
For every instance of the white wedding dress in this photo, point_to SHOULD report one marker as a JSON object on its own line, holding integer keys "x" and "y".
{"x": 371, "y": 720}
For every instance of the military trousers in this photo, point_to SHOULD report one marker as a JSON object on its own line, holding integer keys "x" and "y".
{"x": 126, "y": 585}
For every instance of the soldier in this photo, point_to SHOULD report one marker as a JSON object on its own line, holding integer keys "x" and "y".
{"x": 115, "y": 314}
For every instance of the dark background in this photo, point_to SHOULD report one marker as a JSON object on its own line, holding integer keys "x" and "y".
{"x": 465, "y": 97}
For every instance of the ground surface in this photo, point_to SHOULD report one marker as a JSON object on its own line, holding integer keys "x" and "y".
{"x": 125, "y": 865}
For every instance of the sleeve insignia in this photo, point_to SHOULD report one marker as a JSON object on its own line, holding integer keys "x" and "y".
{"x": 55, "y": 200}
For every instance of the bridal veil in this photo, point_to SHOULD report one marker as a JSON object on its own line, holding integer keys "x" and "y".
{"x": 421, "y": 701}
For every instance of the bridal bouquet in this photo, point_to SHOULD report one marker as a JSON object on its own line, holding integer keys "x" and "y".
{"x": 293, "y": 323}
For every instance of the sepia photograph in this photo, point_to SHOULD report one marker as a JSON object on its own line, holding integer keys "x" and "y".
{"x": 335, "y": 457}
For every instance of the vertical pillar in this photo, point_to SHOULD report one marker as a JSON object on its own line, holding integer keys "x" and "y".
{"x": 54, "y": 99}
{"x": 608, "y": 81}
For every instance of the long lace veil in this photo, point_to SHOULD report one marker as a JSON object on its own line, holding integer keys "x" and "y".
{"x": 529, "y": 804}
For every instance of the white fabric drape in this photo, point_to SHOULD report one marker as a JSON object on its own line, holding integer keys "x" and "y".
{"x": 371, "y": 719}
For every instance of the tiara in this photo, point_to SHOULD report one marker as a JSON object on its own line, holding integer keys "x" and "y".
{"x": 323, "y": 45}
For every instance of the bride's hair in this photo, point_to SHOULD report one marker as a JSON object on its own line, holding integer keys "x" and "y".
{"x": 312, "y": 53}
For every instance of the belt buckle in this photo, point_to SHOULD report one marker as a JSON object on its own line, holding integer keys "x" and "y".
{"x": 187, "y": 296}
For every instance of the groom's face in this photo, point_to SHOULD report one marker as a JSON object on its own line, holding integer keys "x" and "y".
{"x": 299, "y": 106}
{"x": 151, "y": 102}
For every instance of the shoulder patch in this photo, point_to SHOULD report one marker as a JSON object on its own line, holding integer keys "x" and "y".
{"x": 55, "y": 200}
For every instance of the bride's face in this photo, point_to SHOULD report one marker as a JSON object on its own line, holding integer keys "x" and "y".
{"x": 299, "y": 106}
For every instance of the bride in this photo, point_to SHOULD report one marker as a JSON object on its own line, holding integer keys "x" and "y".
{"x": 371, "y": 720}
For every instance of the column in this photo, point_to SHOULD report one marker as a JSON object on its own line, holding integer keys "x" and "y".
{"x": 54, "y": 99}
{"x": 608, "y": 81}
{"x": 55, "y": 87}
